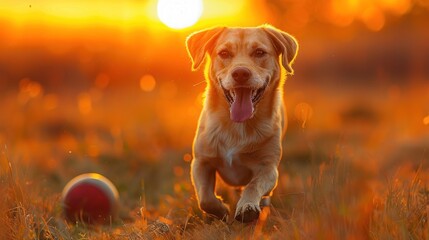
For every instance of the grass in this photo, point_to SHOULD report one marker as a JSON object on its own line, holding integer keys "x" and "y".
{"x": 403, "y": 211}
{"x": 334, "y": 204}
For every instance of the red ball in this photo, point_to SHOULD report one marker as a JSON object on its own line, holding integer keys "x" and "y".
{"x": 90, "y": 198}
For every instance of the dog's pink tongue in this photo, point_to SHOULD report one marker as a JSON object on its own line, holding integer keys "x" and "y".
{"x": 242, "y": 107}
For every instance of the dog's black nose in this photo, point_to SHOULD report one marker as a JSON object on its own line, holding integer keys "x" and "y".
{"x": 241, "y": 74}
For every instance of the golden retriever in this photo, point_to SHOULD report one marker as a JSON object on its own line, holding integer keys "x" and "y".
{"x": 243, "y": 119}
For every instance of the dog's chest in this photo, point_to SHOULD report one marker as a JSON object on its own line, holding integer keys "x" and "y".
{"x": 232, "y": 147}
{"x": 231, "y": 152}
{"x": 235, "y": 175}
{"x": 229, "y": 155}
{"x": 232, "y": 168}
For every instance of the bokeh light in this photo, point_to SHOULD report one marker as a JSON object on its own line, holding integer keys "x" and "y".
{"x": 426, "y": 120}
{"x": 84, "y": 103}
{"x": 303, "y": 113}
{"x": 147, "y": 83}
{"x": 30, "y": 88}
{"x": 371, "y": 13}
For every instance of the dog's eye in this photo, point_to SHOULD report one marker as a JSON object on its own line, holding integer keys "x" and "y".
{"x": 259, "y": 53}
{"x": 224, "y": 54}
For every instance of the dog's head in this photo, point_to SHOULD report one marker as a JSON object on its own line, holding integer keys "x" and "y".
{"x": 244, "y": 63}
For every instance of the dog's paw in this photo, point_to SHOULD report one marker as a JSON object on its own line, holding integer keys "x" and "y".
{"x": 216, "y": 209}
{"x": 247, "y": 212}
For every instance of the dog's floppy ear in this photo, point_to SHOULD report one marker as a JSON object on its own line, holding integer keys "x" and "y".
{"x": 201, "y": 42}
{"x": 284, "y": 44}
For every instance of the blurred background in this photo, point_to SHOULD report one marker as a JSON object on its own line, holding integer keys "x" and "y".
{"x": 106, "y": 86}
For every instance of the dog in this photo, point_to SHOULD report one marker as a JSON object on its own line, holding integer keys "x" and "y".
{"x": 243, "y": 118}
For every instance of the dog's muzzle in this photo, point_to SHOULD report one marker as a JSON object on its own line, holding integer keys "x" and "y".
{"x": 243, "y": 100}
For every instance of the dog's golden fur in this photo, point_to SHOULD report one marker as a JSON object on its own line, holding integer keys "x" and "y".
{"x": 243, "y": 119}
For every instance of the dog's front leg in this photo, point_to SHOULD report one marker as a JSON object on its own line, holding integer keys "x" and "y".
{"x": 262, "y": 183}
{"x": 204, "y": 179}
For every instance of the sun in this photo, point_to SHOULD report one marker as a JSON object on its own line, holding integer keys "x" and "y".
{"x": 179, "y": 14}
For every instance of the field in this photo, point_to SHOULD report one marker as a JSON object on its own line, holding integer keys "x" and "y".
{"x": 363, "y": 177}
{"x": 124, "y": 103}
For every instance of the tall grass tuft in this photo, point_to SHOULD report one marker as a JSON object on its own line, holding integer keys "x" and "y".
{"x": 403, "y": 212}
{"x": 25, "y": 215}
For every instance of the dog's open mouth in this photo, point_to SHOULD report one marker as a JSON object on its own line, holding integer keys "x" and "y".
{"x": 242, "y": 101}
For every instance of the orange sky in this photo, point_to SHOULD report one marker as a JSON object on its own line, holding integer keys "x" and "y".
{"x": 122, "y": 14}
{"x": 128, "y": 14}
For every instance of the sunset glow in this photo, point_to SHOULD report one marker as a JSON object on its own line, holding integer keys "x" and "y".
{"x": 181, "y": 14}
